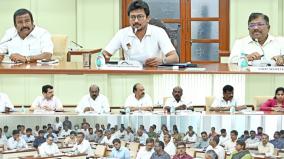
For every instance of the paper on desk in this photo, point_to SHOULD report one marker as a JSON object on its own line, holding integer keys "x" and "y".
{"x": 253, "y": 112}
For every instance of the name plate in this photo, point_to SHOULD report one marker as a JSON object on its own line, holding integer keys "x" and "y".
{"x": 279, "y": 69}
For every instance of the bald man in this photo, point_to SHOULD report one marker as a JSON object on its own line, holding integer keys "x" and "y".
{"x": 177, "y": 101}
{"x": 94, "y": 101}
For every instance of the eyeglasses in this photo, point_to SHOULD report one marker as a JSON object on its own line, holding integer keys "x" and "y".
{"x": 139, "y": 17}
{"x": 253, "y": 25}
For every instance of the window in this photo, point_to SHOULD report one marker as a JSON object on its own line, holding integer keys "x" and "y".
{"x": 199, "y": 29}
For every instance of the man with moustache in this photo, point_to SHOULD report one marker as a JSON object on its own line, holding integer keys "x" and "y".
{"x": 139, "y": 99}
{"x": 26, "y": 42}
{"x": 47, "y": 102}
{"x": 147, "y": 151}
{"x": 94, "y": 101}
{"x": 177, "y": 101}
{"x": 141, "y": 41}
{"x": 227, "y": 101}
{"x": 259, "y": 43}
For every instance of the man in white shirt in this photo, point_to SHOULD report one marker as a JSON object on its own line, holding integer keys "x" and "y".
{"x": 47, "y": 102}
{"x": 227, "y": 101}
{"x": 139, "y": 99}
{"x": 129, "y": 136}
{"x": 5, "y": 103}
{"x": 223, "y": 137}
{"x": 107, "y": 140}
{"x": 57, "y": 124}
{"x": 141, "y": 41}
{"x": 252, "y": 141}
{"x": 94, "y": 101}
{"x": 170, "y": 147}
{"x": 141, "y": 136}
{"x": 48, "y": 148}
{"x": 259, "y": 43}
{"x": 16, "y": 142}
{"x": 65, "y": 132}
{"x": 177, "y": 101}
{"x": 213, "y": 145}
{"x": 26, "y": 42}
{"x": 190, "y": 136}
{"x": 231, "y": 144}
{"x": 265, "y": 147}
{"x": 3, "y": 138}
{"x": 147, "y": 151}
{"x": 28, "y": 137}
{"x": 82, "y": 146}
{"x": 85, "y": 129}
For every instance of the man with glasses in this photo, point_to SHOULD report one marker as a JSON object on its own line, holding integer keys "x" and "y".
{"x": 181, "y": 152}
{"x": 259, "y": 43}
{"x": 141, "y": 41}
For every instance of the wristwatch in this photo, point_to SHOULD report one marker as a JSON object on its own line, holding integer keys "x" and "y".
{"x": 28, "y": 59}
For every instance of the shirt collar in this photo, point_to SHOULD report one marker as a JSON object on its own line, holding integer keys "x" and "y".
{"x": 148, "y": 31}
{"x": 269, "y": 39}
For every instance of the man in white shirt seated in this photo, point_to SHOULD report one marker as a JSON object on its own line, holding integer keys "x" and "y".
{"x": 170, "y": 147}
{"x": 48, "y": 148}
{"x": 28, "y": 137}
{"x": 91, "y": 136}
{"x": 231, "y": 144}
{"x": 57, "y": 124}
{"x": 118, "y": 151}
{"x": 213, "y": 145}
{"x": 265, "y": 147}
{"x": 85, "y": 129}
{"x": 139, "y": 100}
{"x": 16, "y": 142}
{"x": 5, "y": 103}
{"x": 252, "y": 141}
{"x": 129, "y": 136}
{"x": 50, "y": 132}
{"x": 141, "y": 137}
{"x": 259, "y": 44}
{"x": 94, "y": 101}
{"x": 147, "y": 151}
{"x": 177, "y": 101}
{"x": 141, "y": 41}
{"x": 107, "y": 140}
{"x": 99, "y": 136}
{"x": 3, "y": 138}
{"x": 190, "y": 136}
{"x": 26, "y": 42}
{"x": 47, "y": 102}
{"x": 227, "y": 101}
{"x": 223, "y": 137}
{"x": 65, "y": 132}
{"x": 82, "y": 146}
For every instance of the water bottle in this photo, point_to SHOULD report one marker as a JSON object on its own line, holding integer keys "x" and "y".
{"x": 100, "y": 61}
{"x": 173, "y": 109}
{"x": 127, "y": 110}
{"x": 23, "y": 110}
{"x": 233, "y": 108}
{"x": 243, "y": 62}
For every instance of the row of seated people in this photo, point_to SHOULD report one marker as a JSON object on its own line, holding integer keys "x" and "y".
{"x": 139, "y": 100}
{"x": 220, "y": 143}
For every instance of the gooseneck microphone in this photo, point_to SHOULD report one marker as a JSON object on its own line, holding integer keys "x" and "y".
{"x": 5, "y": 41}
{"x": 77, "y": 44}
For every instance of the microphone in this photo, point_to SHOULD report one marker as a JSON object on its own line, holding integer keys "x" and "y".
{"x": 263, "y": 59}
{"x": 135, "y": 30}
{"x": 77, "y": 44}
{"x": 5, "y": 41}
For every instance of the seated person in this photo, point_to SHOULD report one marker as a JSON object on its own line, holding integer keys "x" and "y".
{"x": 65, "y": 132}
{"x": 47, "y": 102}
{"x": 118, "y": 151}
{"x": 203, "y": 142}
{"x": 277, "y": 142}
{"x": 50, "y": 132}
{"x": 211, "y": 154}
{"x": 108, "y": 138}
{"x": 26, "y": 42}
{"x": 252, "y": 141}
{"x": 181, "y": 152}
{"x": 139, "y": 99}
{"x": 94, "y": 101}
{"x": 82, "y": 146}
{"x": 170, "y": 147}
{"x": 213, "y": 145}
{"x": 141, "y": 41}
{"x": 240, "y": 151}
{"x": 39, "y": 139}
{"x": 28, "y": 137}
{"x": 265, "y": 147}
{"x": 71, "y": 139}
{"x": 16, "y": 142}
{"x": 223, "y": 138}
{"x": 231, "y": 144}
{"x": 275, "y": 104}
{"x": 3, "y": 138}
{"x": 5, "y": 103}
{"x": 48, "y": 148}
{"x": 147, "y": 151}
{"x": 141, "y": 136}
{"x": 227, "y": 101}
{"x": 259, "y": 43}
{"x": 177, "y": 101}
{"x": 159, "y": 151}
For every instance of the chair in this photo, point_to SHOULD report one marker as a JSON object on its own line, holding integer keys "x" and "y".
{"x": 258, "y": 100}
{"x": 100, "y": 150}
{"x": 81, "y": 52}
{"x": 133, "y": 148}
{"x": 60, "y": 46}
{"x": 208, "y": 102}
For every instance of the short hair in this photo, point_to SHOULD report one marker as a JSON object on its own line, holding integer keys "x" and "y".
{"x": 223, "y": 131}
{"x": 139, "y": 4}
{"x": 242, "y": 143}
{"x": 50, "y": 135}
{"x": 46, "y": 87}
{"x": 161, "y": 143}
{"x": 228, "y": 88}
{"x": 167, "y": 134}
{"x": 252, "y": 131}
{"x": 14, "y": 132}
{"x": 116, "y": 141}
{"x": 181, "y": 143}
{"x": 277, "y": 90}
{"x": 100, "y": 131}
{"x": 81, "y": 133}
{"x": 253, "y": 16}
{"x": 281, "y": 132}
{"x": 6, "y": 127}
{"x": 93, "y": 85}
{"x": 20, "y": 12}
{"x": 204, "y": 132}
{"x": 265, "y": 135}
{"x": 212, "y": 154}
{"x": 235, "y": 132}
{"x": 49, "y": 128}
{"x": 73, "y": 133}
{"x": 216, "y": 139}
{"x": 246, "y": 132}
{"x": 259, "y": 128}
{"x": 40, "y": 132}
{"x": 29, "y": 130}
{"x": 134, "y": 89}
{"x": 149, "y": 140}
